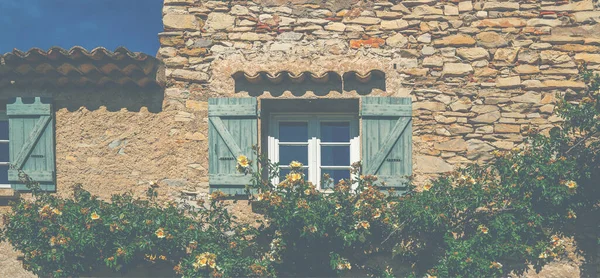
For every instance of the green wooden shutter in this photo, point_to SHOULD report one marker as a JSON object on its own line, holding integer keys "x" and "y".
{"x": 387, "y": 139}
{"x": 232, "y": 131}
{"x": 31, "y": 144}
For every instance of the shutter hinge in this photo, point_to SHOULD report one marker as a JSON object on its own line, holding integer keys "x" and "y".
{"x": 227, "y": 158}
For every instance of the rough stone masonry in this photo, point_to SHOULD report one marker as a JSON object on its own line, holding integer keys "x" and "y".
{"x": 481, "y": 74}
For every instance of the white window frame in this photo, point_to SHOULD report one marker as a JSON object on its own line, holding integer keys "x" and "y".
{"x": 4, "y": 118}
{"x": 314, "y": 143}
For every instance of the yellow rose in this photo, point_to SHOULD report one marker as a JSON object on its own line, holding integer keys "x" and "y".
{"x": 483, "y": 229}
{"x": 294, "y": 177}
{"x": 363, "y": 225}
{"x": 160, "y": 233}
{"x": 427, "y": 187}
{"x": 261, "y": 197}
{"x": 571, "y": 184}
{"x": 295, "y": 164}
{"x": 243, "y": 161}
{"x": 95, "y": 216}
{"x": 150, "y": 257}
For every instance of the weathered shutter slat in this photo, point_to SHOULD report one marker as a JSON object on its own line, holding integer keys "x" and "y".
{"x": 31, "y": 144}
{"x": 39, "y": 176}
{"x": 386, "y": 146}
{"x": 387, "y": 110}
{"x": 225, "y": 110}
{"x": 225, "y": 135}
{"x": 31, "y": 140}
{"x": 233, "y": 130}
{"x": 387, "y": 139}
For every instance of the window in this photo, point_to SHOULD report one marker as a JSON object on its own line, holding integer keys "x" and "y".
{"x": 4, "y": 155}
{"x": 322, "y": 133}
{"x": 325, "y": 144}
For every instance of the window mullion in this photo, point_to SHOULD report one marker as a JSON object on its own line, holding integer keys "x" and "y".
{"x": 292, "y": 143}
{"x": 274, "y": 145}
{"x": 354, "y": 147}
{"x": 314, "y": 151}
{"x": 4, "y": 118}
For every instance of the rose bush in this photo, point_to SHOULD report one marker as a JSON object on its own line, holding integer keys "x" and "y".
{"x": 489, "y": 220}
{"x": 479, "y": 221}
{"x": 314, "y": 233}
{"x": 72, "y": 237}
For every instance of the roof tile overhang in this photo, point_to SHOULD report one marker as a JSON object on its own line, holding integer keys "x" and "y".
{"x": 78, "y": 67}
{"x": 276, "y": 78}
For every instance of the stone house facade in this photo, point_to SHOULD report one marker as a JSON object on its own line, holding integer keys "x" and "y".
{"x": 413, "y": 87}
{"x": 459, "y": 78}
{"x": 480, "y": 75}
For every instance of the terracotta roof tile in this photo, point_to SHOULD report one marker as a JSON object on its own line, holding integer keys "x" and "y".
{"x": 262, "y": 76}
{"x": 78, "y": 67}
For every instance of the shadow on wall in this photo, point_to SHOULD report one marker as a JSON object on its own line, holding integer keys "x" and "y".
{"x": 364, "y": 84}
{"x": 113, "y": 98}
{"x": 300, "y": 84}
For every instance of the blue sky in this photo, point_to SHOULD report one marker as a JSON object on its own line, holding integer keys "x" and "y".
{"x": 89, "y": 23}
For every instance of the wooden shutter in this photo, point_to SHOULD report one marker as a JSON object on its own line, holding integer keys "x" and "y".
{"x": 232, "y": 131}
{"x": 387, "y": 139}
{"x": 31, "y": 145}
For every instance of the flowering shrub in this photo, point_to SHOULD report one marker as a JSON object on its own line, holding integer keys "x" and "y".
{"x": 313, "y": 233}
{"x": 486, "y": 221}
{"x": 71, "y": 237}
{"x": 480, "y": 221}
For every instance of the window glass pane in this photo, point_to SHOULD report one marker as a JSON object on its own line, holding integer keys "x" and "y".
{"x": 334, "y": 177}
{"x": 293, "y": 132}
{"x": 4, "y": 156}
{"x": 283, "y": 173}
{"x": 3, "y": 130}
{"x": 335, "y": 132}
{"x": 288, "y": 154}
{"x": 335, "y": 155}
{"x": 3, "y": 174}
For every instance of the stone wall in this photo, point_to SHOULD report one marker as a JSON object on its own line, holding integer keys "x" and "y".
{"x": 482, "y": 74}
